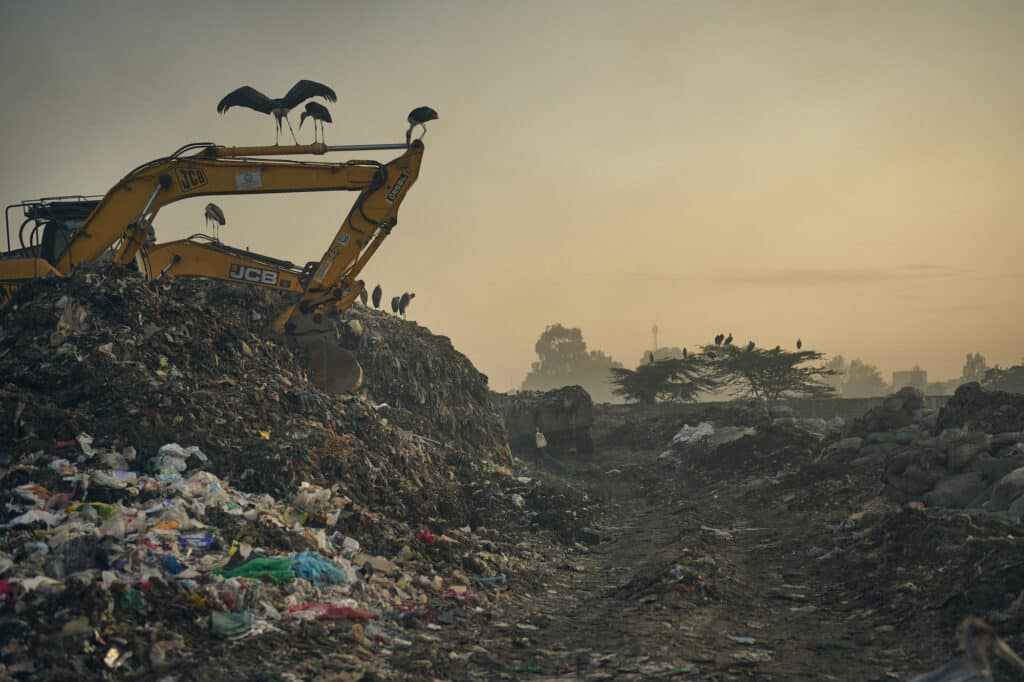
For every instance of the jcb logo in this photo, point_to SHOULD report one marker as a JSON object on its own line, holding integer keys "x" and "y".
{"x": 399, "y": 184}
{"x": 190, "y": 178}
{"x": 256, "y": 275}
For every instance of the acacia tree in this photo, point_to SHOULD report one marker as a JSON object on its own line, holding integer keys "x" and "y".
{"x": 670, "y": 379}
{"x": 768, "y": 374}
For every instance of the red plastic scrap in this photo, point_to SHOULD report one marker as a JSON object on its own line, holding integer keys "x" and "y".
{"x": 458, "y": 596}
{"x": 426, "y": 536}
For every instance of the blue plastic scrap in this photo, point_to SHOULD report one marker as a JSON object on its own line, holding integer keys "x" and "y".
{"x": 317, "y": 569}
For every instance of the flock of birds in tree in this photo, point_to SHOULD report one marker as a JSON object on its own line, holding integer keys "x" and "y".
{"x": 279, "y": 107}
{"x": 398, "y": 303}
{"x": 723, "y": 340}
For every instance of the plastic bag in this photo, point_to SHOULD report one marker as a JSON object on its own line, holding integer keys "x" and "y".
{"x": 319, "y": 570}
{"x": 280, "y": 570}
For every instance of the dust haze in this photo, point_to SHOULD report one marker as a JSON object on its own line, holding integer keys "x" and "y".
{"x": 848, "y": 173}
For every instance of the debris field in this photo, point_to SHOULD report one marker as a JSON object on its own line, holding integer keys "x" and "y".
{"x": 180, "y": 502}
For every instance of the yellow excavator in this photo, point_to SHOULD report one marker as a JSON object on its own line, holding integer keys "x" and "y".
{"x": 61, "y": 233}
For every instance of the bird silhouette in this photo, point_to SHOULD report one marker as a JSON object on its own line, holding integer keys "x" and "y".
{"x": 404, "y": 302}
{"x": 799, "y": 344}
{"x": 394, "y": 304}
{"x": 750, "y": 346}
{"x": 684, "y": 353}
{"x": 650, "y": 357}
{"x": 251, "y": 98}
{"x": 419, "y": 117}
{"x": 719, "y": 339}
{"x": 377, "y": 293}
{"x": 364, "y": 296}
{"x": 318, "y": 112}
{"x": 215, "y": 216}
{"x": 728, "y": 339}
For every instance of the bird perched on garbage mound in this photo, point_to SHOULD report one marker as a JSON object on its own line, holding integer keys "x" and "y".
{"x": 251, "y": 98}
{"x": 404, "y": 302}
{"x": 419, "y": 117}
{"x": 377, "y": 293}
{"x": 318, "y": 112}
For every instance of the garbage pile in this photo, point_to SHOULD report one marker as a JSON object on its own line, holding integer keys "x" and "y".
{"x": 564, "y": 415}
{"x": 944, "y": 459}
{"x": 428, "y": 386}
{"x": 651, "y": 426}
{"x": 172, "y": 482}
{"x": 777, "y": 445}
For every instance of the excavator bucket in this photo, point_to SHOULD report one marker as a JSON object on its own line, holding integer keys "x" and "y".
{"x": 334, "y": 369}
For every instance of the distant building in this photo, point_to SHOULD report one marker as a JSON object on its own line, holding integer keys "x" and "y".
{"x": 916, "y": 378}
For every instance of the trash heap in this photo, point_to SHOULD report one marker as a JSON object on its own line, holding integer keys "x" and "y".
{"x": 777, "y": 444}
{"x": 564, "y": 415}
{"x": 969, "y": 455}
{"x": 428, "y": 386}
{"x": 173, "y": 482}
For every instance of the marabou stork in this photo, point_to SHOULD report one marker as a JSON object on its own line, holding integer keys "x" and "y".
{"x": 318, "y": 112}
{"x": 685, "y": 354}
{"x": 394, "y": 304}
{"x": 728, "y": 339}
{"x": 404, "y": 302}
{"x": 750, "y": 346}
{"x": 718, "y": 339}
{"x": 364, "y": 296}
{"x": 215, "y": 216}
{"x": 377, "y": 293}
{"x": 799, "y": 344}
{"x": 251, "y": 98}
{"x": 419, "y": 117}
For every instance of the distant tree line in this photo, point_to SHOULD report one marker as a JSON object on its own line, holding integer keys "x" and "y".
{"x": 723, "y": 370}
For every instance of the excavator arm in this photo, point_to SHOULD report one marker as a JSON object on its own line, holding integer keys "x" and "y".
{"x": 329, "y": 286}
{"x": 124, "y": 217}
{"x": 130, "y": 206}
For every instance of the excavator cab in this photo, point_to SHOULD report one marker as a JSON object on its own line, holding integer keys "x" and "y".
{"x": 48, "y": 226}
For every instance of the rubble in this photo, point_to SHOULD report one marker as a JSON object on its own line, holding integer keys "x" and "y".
{"x": 943, "y": 459}
{"x": 173, "y": 482}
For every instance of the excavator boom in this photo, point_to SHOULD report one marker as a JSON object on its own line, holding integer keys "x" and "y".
{"x": 123, "y": 219}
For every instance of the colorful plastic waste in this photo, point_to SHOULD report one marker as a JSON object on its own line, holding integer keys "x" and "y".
{"x": 317, "y": 569}
{"x": 278, "y": 569}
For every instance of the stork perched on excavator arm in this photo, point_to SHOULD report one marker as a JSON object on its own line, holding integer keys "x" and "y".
{"x": 251, "y": 98}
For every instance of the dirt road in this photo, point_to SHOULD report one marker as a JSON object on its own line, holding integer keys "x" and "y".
{"x": 715, "y": 580}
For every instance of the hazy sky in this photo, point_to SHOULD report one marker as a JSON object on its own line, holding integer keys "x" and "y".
{"x": 847, "y": 172}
